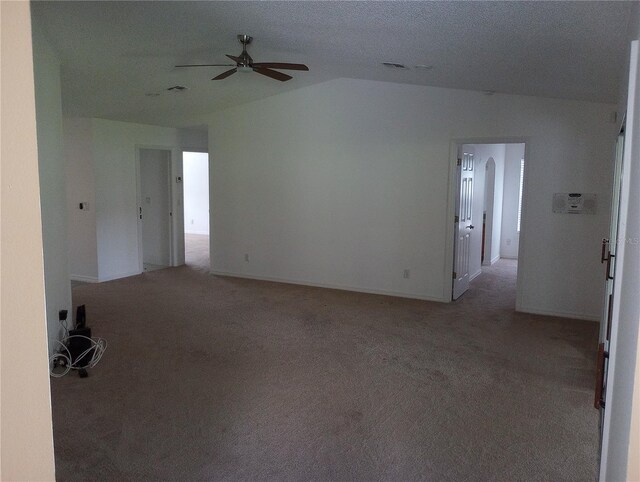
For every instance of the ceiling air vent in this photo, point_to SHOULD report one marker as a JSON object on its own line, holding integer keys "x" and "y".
{"x": 393, "y": 65}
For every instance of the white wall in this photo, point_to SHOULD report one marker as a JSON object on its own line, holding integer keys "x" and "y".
{"x": 116, "y": 192}
{"x": 26, "y": 438}
{"x": 510, "y": 237}
{"x": 345, "y": 184}
{"x": 52, "y": 182}
{"x": 196, "y": 192}
{"x": 81, "y": 188}
{"x": 113, "y": 165}
{"x": 493, "y": 208}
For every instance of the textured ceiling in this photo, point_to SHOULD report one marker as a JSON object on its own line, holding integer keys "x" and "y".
{"x": 113, "y": 53}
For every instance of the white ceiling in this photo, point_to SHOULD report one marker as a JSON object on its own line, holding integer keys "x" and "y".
{"x": 113, "y": 53}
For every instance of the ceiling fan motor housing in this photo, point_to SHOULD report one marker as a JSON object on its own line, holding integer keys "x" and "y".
{"x": 245, "y": 62}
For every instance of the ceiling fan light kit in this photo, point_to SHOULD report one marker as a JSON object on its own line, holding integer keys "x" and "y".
{"x": 244, "y": 63}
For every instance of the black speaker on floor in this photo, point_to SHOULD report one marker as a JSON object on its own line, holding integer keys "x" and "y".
{"x": 79, "y": 344}
{"x": 81, "y": 317}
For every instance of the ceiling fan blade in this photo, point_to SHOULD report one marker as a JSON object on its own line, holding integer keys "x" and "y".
{"x": 272, "y": 73}
{"x": 280, "y": 65}
{"x": 237, "y": 60}
{"x": 206, "y": 65}
{"x": 226, "y": 74}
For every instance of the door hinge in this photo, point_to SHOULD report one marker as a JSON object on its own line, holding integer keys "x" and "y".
{"x": 599, "y": 397}
{"x": 457, "y": 219}
{"x": 455, "y": 275}
{"x": 605, "y": 242}
{"x": 459, "y": 161}
{"x": 609, "y": 263}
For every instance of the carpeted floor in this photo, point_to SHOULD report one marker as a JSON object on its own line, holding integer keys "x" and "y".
{"x": 210, "y": 378}
{"x": 196, "y": 251}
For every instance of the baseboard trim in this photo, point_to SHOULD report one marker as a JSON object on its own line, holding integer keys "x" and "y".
{"x": 83, "y": 279}
{"x": 118, "y": 276}
{"x": 474, "y": 276}
{"x": 412, "y": 296}
{"x": 507, "y": 257}
{"x": 558, "y": 314}
{"x": 201, "y": 233}
{"x": 491, "y": 262}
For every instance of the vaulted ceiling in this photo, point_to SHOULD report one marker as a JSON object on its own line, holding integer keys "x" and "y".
{"x": 117, "y": 56}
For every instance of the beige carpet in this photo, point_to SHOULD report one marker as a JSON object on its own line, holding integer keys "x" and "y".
{"x": 210, "y": 378}
{"x": 196, "y": 251}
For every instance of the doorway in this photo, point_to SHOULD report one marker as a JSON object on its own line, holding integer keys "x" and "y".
{"x": 195, "y": 168}
{"x": 154, "y": 209}
{"x": 488, "y": 210}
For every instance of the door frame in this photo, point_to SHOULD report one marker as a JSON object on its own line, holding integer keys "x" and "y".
{"x": 454, "y": 145}
{"x": 179, "y": 218}
{"x": 170, "y": 159}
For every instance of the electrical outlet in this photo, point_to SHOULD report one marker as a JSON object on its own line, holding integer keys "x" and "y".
{"x": 406, "y": 274}
{"x": 246, "y": 257}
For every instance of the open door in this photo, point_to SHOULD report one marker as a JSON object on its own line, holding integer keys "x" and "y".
{"x": 608, "y": 257}
{"x": 616, "y": 367}
{"x": 463, "y": 223}
{"x": 195, "y": 170}
{"x": 154, "y": 209}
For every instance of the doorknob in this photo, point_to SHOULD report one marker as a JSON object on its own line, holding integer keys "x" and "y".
{"x": 471, "y": 226}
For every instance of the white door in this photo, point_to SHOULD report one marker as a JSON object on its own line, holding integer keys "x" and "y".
{"x": 608, "y": 257}
{"x": 619, "y": 335}
{"x": 463, "y": 223}
{"x": 154, "y": 211}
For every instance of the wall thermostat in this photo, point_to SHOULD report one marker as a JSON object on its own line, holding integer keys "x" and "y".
{"x": 574, "y": 203}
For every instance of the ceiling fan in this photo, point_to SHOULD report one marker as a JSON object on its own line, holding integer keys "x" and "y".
{"x": 244, "y": 63}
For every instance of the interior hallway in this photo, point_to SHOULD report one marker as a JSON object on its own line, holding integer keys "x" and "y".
{"x": 196, "y": 251}
{"x": 210, "y": 378}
